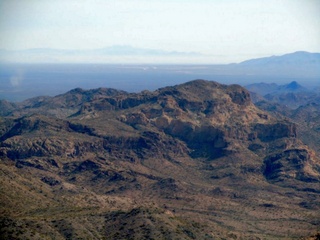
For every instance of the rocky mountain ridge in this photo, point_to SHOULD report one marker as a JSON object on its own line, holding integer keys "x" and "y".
{"x": 193, "y": 161}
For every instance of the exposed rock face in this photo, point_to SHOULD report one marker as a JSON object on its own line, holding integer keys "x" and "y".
{"x": 197, "y": 150}
{"x": 270, "y": 132}
{"x": 291, "y": 163}
{"x": 209, "y": 119}
{"x": 239, "y": 95}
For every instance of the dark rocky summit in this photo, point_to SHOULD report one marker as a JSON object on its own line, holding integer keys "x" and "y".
{"x": 193, "y": 161}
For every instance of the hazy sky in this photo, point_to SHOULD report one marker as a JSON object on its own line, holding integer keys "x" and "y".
{"x": 225, "y": 30}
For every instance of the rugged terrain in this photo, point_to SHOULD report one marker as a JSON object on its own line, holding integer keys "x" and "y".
{"x": 291, "y": 95}
{"x": 193, "y": 161}
{"x": 294, "y": 102}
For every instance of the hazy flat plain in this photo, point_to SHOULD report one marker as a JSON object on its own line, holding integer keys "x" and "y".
{"x": 21, "y": 81}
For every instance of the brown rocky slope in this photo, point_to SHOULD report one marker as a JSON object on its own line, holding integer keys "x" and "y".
{"x": 192, "y": 161}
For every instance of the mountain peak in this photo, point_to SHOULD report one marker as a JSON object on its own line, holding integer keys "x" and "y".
{"x": 293, "y": 87}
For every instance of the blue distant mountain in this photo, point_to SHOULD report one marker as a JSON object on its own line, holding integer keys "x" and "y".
{"x": 273, "y": 88}
{"x": 298, "y": 64}
{"x": 292, "y": 95}
{"x": 293, "y": 87}
{"x": 296, "y": 58}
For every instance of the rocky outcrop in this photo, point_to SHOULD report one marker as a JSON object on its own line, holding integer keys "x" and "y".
{"x": 270, "y": 132}
{"x": 292, "y": 163}
{"x": 239, "y": 95}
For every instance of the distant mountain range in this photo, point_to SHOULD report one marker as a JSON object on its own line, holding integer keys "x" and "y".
{"x": 297, "y": 64}
{"x": 88, "y": 55}
{"x": 113, "y": 50}
{"x": 273, "y": 88}
{"x": 295, "y": 58}
{"x": 291, "y": 95}
{"x": 123, "y": 53}
{"x": 21, "y": 81}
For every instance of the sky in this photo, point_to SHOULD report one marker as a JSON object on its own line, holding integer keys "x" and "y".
{"x": 221, "y": 31}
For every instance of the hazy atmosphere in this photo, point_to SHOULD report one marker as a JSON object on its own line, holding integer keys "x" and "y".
{"x": 154, "y": 44}
{"x": 192, "y": 31}
{"x": 160, "y": 119}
